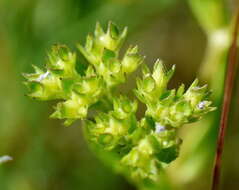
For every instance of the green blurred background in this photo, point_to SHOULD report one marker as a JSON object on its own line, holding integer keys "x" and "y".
{"x": 194, "y": 35}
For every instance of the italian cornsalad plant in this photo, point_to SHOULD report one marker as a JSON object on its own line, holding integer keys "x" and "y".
{"x": 138, "y": 148}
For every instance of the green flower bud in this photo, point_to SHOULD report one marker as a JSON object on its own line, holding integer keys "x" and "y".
{"x": 153, "y": 86}
{"x": 195, "y": 94}
{"x": 112, "y": 39}
{"x": 123, "y": 107}
{"x": 62, "y": 62}
{"x": 108, "y": 131}
{"x": 44, "y": 85}
{"x": 92, "y": 51}
{"x": 73, "y": 108}
{"x": 131, "y": 60}
{"x": 110, "y": 69}
{"x": 95, "y": 46}
{"x": 91, "y": 86}
{"x": 161, "y": 76}
{"x": 140, "y": 163}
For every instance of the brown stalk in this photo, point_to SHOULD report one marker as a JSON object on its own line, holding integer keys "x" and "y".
{"x": 229, "y": 82}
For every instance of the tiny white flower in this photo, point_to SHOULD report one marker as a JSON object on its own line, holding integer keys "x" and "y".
{"x": 43, "y": 76}
{"x": 4, "y": 159}
{"x": 159, "y": 128}
{"x": 202, "y": 105}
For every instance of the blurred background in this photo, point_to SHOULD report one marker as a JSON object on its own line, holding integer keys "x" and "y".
{"x": 195, "y": 35}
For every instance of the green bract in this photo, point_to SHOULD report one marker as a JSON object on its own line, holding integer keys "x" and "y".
{"x": 142, "y": 146}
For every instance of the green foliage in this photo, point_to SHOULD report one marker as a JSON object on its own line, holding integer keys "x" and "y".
{"x": 211, "y": 14}
{"x": 142, "y": 146}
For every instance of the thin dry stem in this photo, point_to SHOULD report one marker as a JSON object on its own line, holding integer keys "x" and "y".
{"x": 229, "y": 82}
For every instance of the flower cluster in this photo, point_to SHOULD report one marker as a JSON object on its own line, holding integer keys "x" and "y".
{"x": 102, "y": 51}
{"x": 171, "y": 107}
{"x": 143, "y": 146}
{"x": 113, "y": 129}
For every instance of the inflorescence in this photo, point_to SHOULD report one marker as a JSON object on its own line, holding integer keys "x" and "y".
{"x": 144, "y": 146}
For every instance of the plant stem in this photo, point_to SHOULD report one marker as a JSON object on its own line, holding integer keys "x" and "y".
{"x": 229, "y": 82}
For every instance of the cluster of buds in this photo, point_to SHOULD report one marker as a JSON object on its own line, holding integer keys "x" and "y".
{"x": 113, "y": 130}
{"x": 102, "y": 51}
{"x": 171, "y": 108}
{"x": 143, "y": 147}
{"x": 62, "y": 81}
{"x": 152, "y": 153}
{"x": 79, "y": 91}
